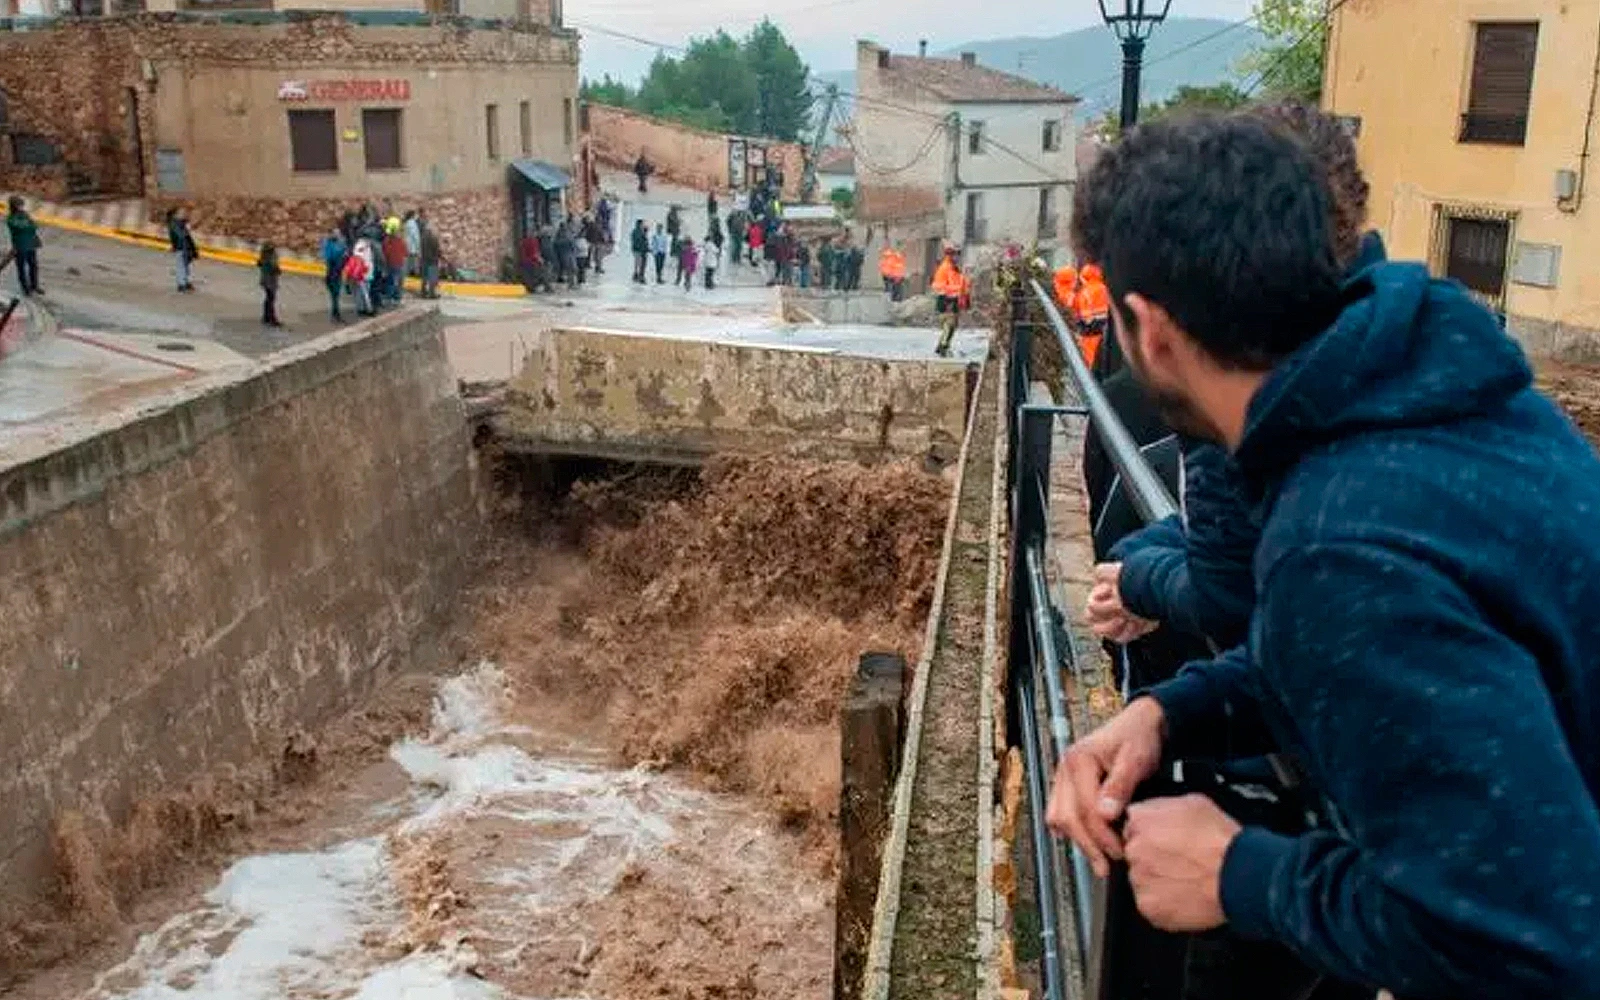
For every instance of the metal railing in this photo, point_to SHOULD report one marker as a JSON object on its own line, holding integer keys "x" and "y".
{"x": 1072, "y": 903}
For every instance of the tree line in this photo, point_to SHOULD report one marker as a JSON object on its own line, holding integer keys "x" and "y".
{"x": 755, "y": 85}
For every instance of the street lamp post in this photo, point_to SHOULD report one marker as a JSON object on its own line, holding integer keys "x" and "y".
{"x": 1132, "y": 21}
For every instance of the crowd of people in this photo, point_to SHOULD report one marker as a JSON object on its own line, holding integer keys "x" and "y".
{"x": 1388, "y": 533}
{"x": 563, "y": 253}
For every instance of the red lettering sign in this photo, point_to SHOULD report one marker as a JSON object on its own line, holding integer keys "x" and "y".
{"x": 329, "y": 91}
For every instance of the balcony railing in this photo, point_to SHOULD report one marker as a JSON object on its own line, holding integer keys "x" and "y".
{"x": 1503, "y": 130}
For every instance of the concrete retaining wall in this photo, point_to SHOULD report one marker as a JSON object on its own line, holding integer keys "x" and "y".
{"x": 660, "y": 399}
{"x": 186, "y": 587}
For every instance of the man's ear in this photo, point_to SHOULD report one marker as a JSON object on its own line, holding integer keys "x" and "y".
{"x": 1156, "y": 334}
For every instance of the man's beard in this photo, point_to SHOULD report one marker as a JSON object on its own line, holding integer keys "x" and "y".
{"x": 1177, "y": 411}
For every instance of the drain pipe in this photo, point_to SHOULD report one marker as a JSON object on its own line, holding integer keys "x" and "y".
{"x": 1576, "y": 201}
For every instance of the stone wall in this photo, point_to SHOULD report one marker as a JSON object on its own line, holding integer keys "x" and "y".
{"x": 474, "y": 227}
{"x": 681, "y": 155}
{"x": 653, "y": 398}
{"x": 187, "y": 586}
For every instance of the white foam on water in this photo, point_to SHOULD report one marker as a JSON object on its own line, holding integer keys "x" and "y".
{"x": 425, "y": 977}
{"x": 276, "y": 925}
{"x": 292, "y": 926}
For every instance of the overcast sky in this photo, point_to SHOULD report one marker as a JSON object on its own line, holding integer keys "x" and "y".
{"x": 825, "y": 31}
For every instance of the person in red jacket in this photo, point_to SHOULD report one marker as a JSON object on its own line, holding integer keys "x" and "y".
{"x": 395, "y": 255}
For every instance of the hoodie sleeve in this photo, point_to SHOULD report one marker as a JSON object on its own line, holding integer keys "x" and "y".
{"x": 1213, "y": 708}
{"x": 1467, "y": 857}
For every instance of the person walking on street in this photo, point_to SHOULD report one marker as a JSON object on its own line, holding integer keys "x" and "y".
{"x": 658, "y": 249}
{"x": 756, "y": 240}
{"x": 1093, "y": 308}
{"x": 335, "y": 251}
{"x": 580, "y": 250}
{"x": 710, "y": 260}
{"x": 270, "y": 270}
{"x": 950, "y": 286}
{"x": 566, "y": 256}
{"x": 802, "y": 256}
{"x": 737, "y": 229}
{"x": 596, "y": 236}
{"x": 530, "y": 262}
{"x": 642, "y": 169}
{"x": 711, "y": 204}
{"x": 25, "y": 243}
{"x": 674, "y": 222}
{"x": 430, "y": 262}
{"x": 184, "y": 251}
{"x": 639, "y": 243}
{"x": 892, "y": 268}
{"x": 688, "y": 261}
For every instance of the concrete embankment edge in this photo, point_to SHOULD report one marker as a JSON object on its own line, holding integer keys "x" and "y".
{"x": 876, "y": 978}
{"x": 190, "y": 584}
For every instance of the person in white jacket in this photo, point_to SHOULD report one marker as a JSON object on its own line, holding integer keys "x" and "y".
{"x": 710, "y": 260}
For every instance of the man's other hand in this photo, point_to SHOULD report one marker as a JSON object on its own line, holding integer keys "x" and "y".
{"x": 1108, "y": 617}
{"x": 1175, "y": 850}
{"x": 1096, "y": 779}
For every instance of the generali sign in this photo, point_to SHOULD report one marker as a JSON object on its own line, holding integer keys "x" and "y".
{"x": 324, "y": 91}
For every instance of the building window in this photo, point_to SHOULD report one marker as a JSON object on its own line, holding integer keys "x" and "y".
{"x": 1049, "y": 220}
{"x": 977, "y": 230}
{"x": 525, "y": 127}
{"x": 1475, "y": 255}
{"x": 29, "y": 150}
{"x": 380, "y": 131}
{"x": 1501, "y": 87}
{"x": 313, "y": 142}
{"x": 975, "y": 139}
{"x": 566, "y": 119}
{"x": 1052, "y": 136}
{"x": 491, "y": 129}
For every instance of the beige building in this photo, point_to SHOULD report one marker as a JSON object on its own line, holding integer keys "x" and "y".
{"x": 947, "y": 149}
{"x": 268, "y": 124}
{"x": 1476, "y": 125}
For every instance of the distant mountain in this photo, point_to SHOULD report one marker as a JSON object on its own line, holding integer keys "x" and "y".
{"x": 1088, "y": 63}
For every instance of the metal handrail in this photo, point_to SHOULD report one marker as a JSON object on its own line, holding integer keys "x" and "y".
{"x": 1042, "y": 653}
{"x": 1149, "y": 494}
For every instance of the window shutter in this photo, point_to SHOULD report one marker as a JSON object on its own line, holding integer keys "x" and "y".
{"x": 1502, "y": 83}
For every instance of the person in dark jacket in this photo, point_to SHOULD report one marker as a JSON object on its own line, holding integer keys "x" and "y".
{"x": 270, "y": 270}
{"x": 335, "y": 251}
{"x": 184, "y": 250}
{"x": 1426, "y": 639}
{"x": 431, "y": 257}
{"x": 639, "y": 243}
{"x": 25, "y": 243}
{"x": 1199, "y": 580}
{"x": 642, "y": 169}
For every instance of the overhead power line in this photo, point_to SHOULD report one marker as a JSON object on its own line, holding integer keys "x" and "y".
{"x": 1321, "y": 23}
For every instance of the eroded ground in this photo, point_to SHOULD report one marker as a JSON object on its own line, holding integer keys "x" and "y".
{"x": 1577, "y": 388}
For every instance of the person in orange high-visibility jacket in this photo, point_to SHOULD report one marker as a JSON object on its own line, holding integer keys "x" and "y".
{"x": 1066, "y": 289}
{"x": 892, "y": 267}
{"x": 1094, "y": 311}
{"x": 950, "y": 287}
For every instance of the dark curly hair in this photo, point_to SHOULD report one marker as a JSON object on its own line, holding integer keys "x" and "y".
{"x": 1330, "y": 144}
{"x": 1223, "y": 221}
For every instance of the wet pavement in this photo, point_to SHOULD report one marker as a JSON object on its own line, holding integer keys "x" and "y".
{"x": 120, "y": 303}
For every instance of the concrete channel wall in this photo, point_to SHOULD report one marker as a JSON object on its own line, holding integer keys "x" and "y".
{"x": 651, "y": 398}
{"x": 183, "y": 588}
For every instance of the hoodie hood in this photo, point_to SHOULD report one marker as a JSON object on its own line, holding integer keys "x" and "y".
{"x": 1409, "y": 351}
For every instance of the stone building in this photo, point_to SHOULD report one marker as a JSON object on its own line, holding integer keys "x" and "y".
{"x": 946, "y": 149}
{"x": 268, "y": 124}
{"x": 1478, "y": 145}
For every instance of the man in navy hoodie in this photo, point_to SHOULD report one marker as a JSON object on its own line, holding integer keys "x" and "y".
{"x": 1426, "y": 637}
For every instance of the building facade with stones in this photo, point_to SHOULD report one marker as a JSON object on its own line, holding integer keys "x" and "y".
{"x": 269, "y": 124}
{"x": 950, "y": 150}
{"x": 1478, "y": 143}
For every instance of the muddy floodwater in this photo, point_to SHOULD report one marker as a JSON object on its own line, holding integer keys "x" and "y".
{"x": 618, "y": 779}
{"x": 513, "y": 862}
